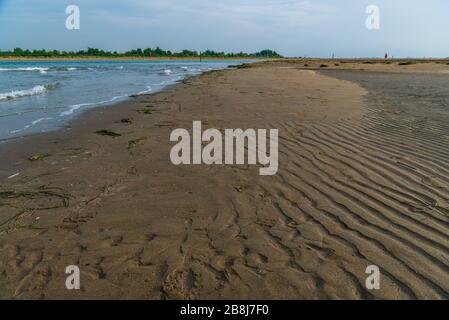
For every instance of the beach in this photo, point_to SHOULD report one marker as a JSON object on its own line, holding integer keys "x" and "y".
{"x": 362, "y": 181}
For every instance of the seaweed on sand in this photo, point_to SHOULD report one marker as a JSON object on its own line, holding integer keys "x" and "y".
{"x": 146, "y": 110}
{"x": 243, "y": 66}
{"x": 38, "y": 157}
{"x": 41, "y": 192}
{"x": 14, "y": 199}
{"x": 127, "y": 120}
{"x": 135, "y": 143}
{"x": 105, "y": 132}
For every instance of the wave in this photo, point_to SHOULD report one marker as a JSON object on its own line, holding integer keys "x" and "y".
{"x": 44, "y": 70}
{"x": 75, "y": 107}
{"x": 40, "y": 120}
{"x": 149, "y": 89}
{"x": 33, "y": 123}
{"x": 40, "y": 69}
{"x": 23, "y": 93}
{"x": 165, "y": 72}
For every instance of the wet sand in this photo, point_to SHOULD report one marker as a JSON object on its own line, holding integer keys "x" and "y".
{"x": 362, "y": 181}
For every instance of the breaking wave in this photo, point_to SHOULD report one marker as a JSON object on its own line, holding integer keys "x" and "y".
{"x": 40, "y": 69}
{"x": 22, "y": 93}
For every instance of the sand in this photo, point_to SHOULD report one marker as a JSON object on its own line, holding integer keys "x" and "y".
{"x": 362, "y": 181}
{"x": 408, "y": 66}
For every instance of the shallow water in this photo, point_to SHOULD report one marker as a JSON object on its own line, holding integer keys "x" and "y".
{"x": 42, "y": 96}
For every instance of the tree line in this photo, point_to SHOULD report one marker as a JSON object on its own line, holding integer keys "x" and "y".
{"x": 148, "y": 52}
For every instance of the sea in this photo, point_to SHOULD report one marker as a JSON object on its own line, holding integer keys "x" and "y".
{"x": 44, "y": 96}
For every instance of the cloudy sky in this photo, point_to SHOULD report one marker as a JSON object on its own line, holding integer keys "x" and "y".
{"x": 292, "y": 27}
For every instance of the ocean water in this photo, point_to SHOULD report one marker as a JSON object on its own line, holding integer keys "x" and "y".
{"x": 43, "y": 96}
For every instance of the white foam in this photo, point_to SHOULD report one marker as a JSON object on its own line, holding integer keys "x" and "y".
{"x": 71, "y": 69}
{"x": 165, "y": 72}
{"x": 72, "y": 109}
{"x": 22, "y": 93}
{"x": 149, "y": 89}
{"x": 75, "y": 107}
{"x": 33, "y": 123}
{"x": 40, "y": 120}
{"x": 159, "y": 84}
{"x": 40, "y": 69}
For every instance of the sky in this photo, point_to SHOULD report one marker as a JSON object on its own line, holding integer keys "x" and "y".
{"x": 311, "y": 28}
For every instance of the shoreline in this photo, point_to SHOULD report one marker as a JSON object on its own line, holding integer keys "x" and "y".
{"x": 32, "y": 138}
{"x": 113, "y": 104}
{"x": 95, "y": 102}
{"x": 291, "y": 60}
{"x": 361, "y": 182}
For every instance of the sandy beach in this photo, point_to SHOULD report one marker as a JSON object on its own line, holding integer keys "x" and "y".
{"x": 362, "y": 180}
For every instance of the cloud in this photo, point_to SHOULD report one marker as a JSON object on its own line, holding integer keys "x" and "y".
{"x": 250, "y": 13}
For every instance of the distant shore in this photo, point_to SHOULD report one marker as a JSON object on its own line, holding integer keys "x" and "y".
{"x": 126, "y": 58}
{"x": 364, "y": 62}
